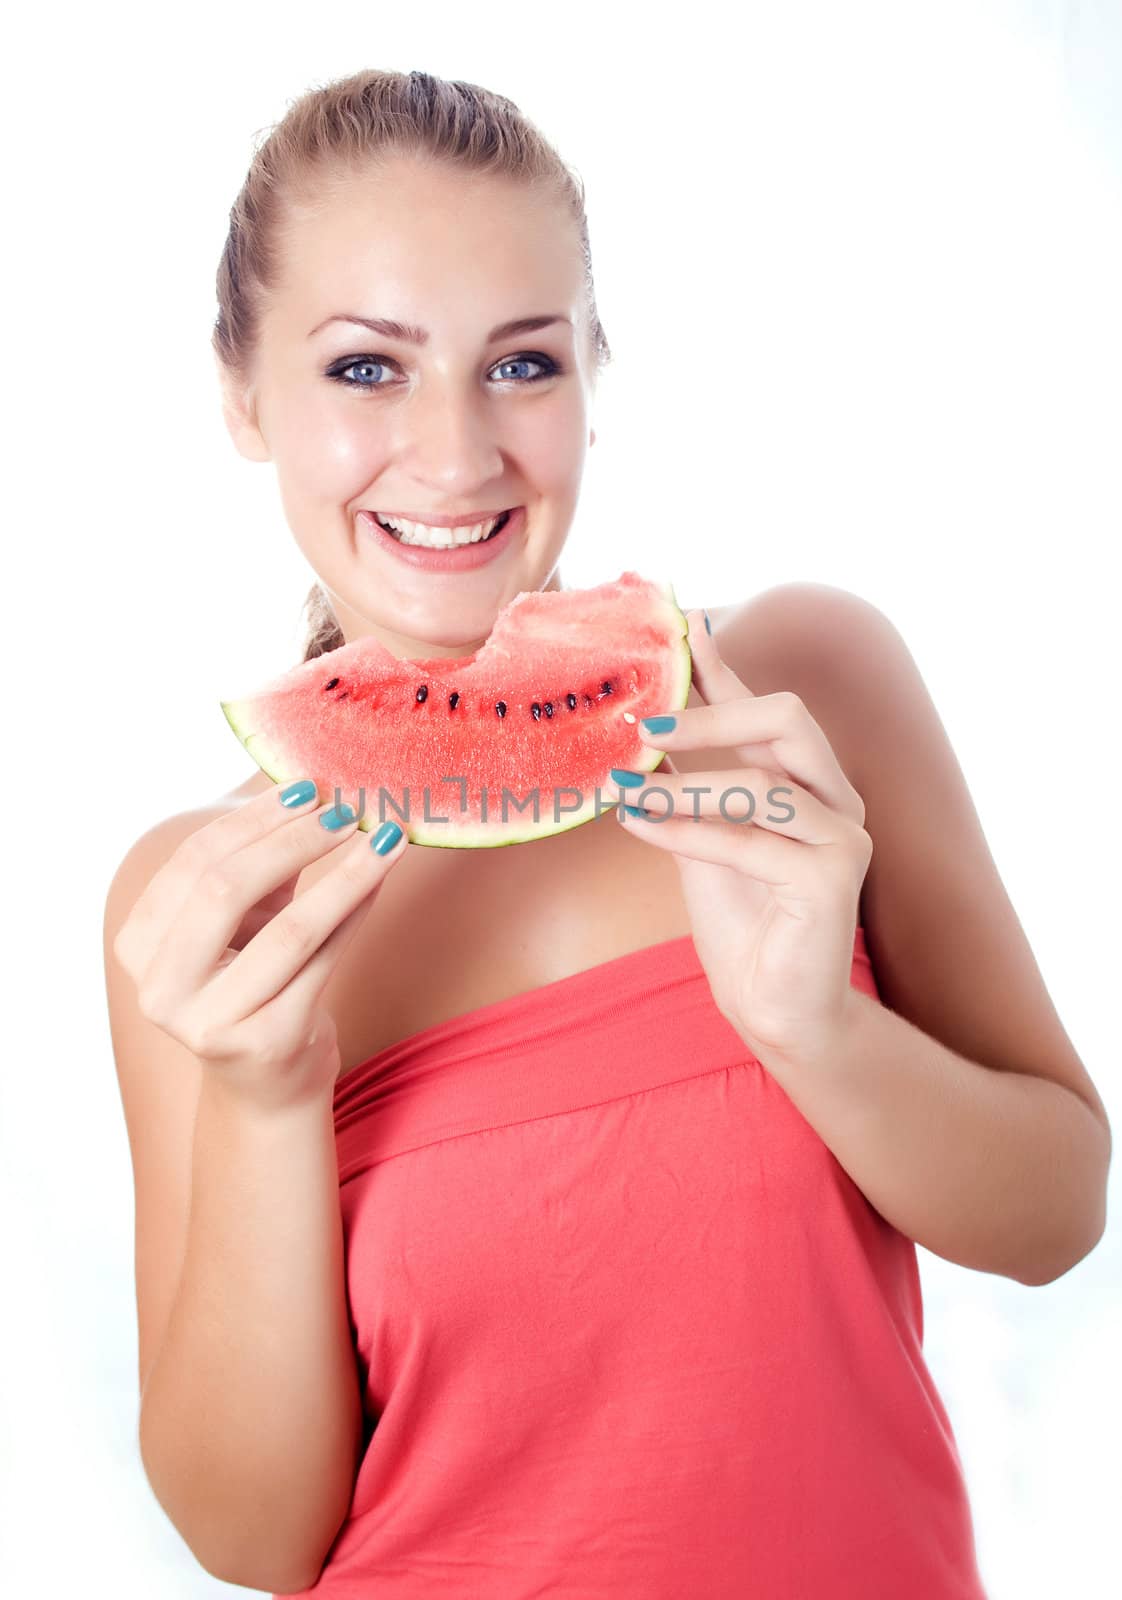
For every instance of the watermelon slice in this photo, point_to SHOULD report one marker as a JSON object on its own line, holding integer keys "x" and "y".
{"x": 507, "y": 745}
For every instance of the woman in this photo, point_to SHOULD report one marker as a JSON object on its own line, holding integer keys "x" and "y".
{"x": 547, "y": 1227}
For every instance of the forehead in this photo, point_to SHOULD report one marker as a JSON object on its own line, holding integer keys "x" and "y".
{"x": 411, "y": 238}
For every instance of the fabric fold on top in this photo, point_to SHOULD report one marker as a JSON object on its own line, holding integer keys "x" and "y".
{"x": 471, "y": 1072}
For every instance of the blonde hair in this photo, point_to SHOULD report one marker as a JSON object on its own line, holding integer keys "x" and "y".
{"x": 335, "y": 131}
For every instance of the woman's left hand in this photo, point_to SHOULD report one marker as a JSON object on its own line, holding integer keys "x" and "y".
{"x": 772, "y": 899}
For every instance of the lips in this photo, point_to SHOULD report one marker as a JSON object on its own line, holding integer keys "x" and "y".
{"x": 450, "y": 558}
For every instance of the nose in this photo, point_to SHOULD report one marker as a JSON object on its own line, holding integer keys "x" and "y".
{"x": 449, "y": 444}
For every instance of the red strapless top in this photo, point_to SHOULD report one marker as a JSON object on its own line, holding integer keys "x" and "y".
{"x": 626, "y": 1329}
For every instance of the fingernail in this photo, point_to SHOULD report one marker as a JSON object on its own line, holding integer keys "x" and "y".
{"x": 708, "y": 624}
{"x": 633, "y": 811}
{"x": 385, "y": 838}
{"x": 625, "y": 779}
{"x": 338, "y": 817}
{"x": 297, "y": 794}
{"x": 659, "y": 724}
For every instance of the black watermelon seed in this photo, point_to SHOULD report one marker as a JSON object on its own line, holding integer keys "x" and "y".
{"x": 331, "y": 683}
{"x": 536, "y": 711}
{"x": 454, "y": 699}
{"x": 605, "y": 687}
{"x": 500, "y": 707}
{"x": 571, "y": 701}
{"x": 342, "y": 696}
{"x": 422, "y": 693}
{"x": 549, "y": 708}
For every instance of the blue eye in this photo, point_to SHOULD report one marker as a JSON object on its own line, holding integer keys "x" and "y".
{"x": 535, "y": 361}
{"x": 354, "y": 383}
{"x": 338, "y": 372}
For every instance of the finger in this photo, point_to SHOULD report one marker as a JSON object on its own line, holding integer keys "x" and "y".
{"x": 746, "y": 796}
{"x": 291, "y": 940}
{"x": 767, "y": 857}
{"x": 285, "y": 1014}
{"x": 264, "y": 911}
{"x": 160, "y": 903}
{"x": 765, "y": 730}
{"x": 713, "y": 678}
{"x": 288, "y": 1025}
{"x": 223, "y": 892}
{"x": 784, "y": 863}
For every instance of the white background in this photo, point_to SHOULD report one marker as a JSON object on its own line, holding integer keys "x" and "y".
{"x": 861, "y": 269}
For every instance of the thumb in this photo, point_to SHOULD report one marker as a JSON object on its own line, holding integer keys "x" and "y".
{"x": 713, "y": 678}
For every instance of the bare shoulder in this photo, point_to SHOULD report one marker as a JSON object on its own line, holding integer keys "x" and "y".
{"x": 158, "y": 843}
{"x": 798, "y": 623}
{"x": 810, "y": 639}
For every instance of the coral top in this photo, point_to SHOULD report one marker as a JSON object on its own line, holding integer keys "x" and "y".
{"x": 625, "y": 1327}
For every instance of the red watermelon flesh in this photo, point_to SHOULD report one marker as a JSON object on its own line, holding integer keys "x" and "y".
{"x": 538, "y": 712}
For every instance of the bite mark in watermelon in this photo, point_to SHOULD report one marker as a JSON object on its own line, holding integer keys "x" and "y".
{"x": 539, "y": 710}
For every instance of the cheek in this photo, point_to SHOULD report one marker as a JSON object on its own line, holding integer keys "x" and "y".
{"x": 548, "y": 443}
{"x": 331, "y": 452}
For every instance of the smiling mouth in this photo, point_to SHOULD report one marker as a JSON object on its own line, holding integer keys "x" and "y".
{"x": 419, "y": 533}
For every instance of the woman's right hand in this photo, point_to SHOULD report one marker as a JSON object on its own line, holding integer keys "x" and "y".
{"x": 230, "y": 964}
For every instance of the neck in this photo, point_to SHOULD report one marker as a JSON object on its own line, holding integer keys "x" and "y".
{"x": 406, "y": 646}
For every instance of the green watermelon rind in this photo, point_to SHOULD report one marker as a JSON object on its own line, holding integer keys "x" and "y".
{"x": 270, "y": 761}
{"x": 463, "y": 835}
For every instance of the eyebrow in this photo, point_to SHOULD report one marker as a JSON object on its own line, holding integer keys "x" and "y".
{"x": 389, "y": 329}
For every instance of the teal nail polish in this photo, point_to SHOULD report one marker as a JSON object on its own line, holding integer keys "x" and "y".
{"x": 625, "y": 779}
{"x": 338, "y": 817}
{"x": 634, "y": 811}
{"x": 297, "y": 794}
{"x": 385, "y": 838}
{"x": 708, "y": 624}
{"x": 659, "y": 724}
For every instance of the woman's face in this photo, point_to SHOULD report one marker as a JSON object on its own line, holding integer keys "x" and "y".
{"x": 461, "y": 424}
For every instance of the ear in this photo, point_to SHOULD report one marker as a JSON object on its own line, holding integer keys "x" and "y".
{"x": 240, "y": 416}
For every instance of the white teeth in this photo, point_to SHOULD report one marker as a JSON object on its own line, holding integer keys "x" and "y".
{"x": 438, "y": 538}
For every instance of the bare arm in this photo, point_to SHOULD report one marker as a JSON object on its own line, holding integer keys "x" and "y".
{"x": 251, "y": 1418}
{"x": 250, "y": 1409}
{"x": 996, "y": 1170}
